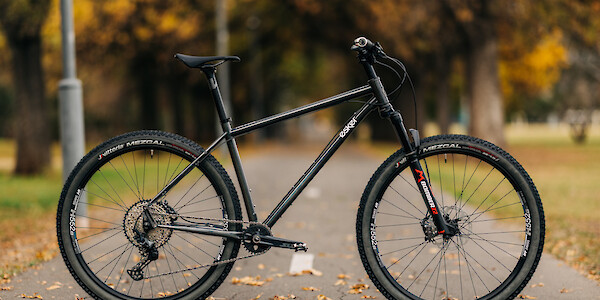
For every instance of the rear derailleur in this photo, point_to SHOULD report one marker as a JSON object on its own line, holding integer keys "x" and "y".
{"x": 149, "y": 253}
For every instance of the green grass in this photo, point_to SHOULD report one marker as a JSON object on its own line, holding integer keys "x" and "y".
{"x": 22, "y": 196}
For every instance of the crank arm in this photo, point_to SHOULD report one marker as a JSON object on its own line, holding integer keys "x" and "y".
{"x": 282, "y": 243}
{"x": 206, "y": 231}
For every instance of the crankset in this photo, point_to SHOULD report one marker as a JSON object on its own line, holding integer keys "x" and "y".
{"x": 258, "y": 238}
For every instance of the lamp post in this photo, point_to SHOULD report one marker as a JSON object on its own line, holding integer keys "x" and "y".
{"x": 70, "y": 100}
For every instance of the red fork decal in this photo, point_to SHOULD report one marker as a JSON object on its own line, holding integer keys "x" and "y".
{"x": 421, "y": 178}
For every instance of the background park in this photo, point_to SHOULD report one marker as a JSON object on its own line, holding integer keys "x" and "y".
{"x": 523, "y": 74}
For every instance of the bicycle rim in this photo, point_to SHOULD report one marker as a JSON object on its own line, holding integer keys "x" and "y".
{"x": 114, "y": 191}
{"x": 477, "y": 193}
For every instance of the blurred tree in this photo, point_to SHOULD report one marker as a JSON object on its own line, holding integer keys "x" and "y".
{"x": 21, "y": 22}
{"x": 477, "y": 23}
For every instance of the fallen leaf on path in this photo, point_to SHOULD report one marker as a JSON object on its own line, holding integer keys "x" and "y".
{"x": 34, "y": 296}
{"x": 261, "y": 266}
{"x": 361, "y": 286}
{"x": 307, "y": 272}
{"x": 310, "y": 288}
{"x": 248, "y": 280}
{"x": 323, "y": 297}
{"x": 6, "y": 288}
{"x": 368, "y": 297}
{"x": 537, "y": 285}
{"x": 564, "y": 290}
{"x": 278, "y": 297}
{"x": 355, "y": 291}
{"x": 257, "y": 297}
{"x": 340, "y": 282}
{"x": 343, "y": 276}
{"x": 53, "y": 287}
{"x": 521, "y": 296}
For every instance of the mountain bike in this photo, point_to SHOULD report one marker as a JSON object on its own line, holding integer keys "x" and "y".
{"x": 445, "y": 217}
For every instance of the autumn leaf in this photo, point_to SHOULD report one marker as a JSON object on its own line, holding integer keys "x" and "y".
{"x": 340, "y": 282}
{"x": 307, "y": 272}
{"x": 564, "y": 290}
{"x": 323, "y": 297}
{"x": 248, "y": 280}
{"x": 521, "y": 296}
{"x": 6, "y": 288}
{"x": 537, "y": 285}
{"x": 368, "y": 297}
{"x": 361, "y": 286}
{"x": 343, "y": 276}
{"x": 311, "y": 288}
{"x": 257, "y": 297}
{"x": 34, "y": 296}
{"x": 56, "y": 285}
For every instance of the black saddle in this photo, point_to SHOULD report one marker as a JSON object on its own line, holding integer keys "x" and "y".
{"x": 204, "y": 61}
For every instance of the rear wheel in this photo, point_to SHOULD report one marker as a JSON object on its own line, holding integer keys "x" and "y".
{"x": 484, "y": 192}
{"x": 100, "y": 221}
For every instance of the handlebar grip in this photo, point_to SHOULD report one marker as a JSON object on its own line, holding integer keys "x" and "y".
{"x": 363, "y": 42}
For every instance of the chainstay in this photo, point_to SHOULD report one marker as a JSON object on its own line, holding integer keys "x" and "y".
{"x": 214, "y": 263}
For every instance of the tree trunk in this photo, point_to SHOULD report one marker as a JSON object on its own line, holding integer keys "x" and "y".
{"x": 486, "y": 108}
{"x": 443, "y": 93}
{"x": 31, "y": 123}
{"x": 144, "y": 73}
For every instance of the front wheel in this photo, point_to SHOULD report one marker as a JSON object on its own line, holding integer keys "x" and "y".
{"x": 102, "y": 229}
{"x": 484, "y": 192}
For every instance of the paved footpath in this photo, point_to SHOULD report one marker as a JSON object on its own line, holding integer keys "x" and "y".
{"x": 323, "y": 217}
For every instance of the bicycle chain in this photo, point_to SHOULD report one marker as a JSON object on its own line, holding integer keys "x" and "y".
{"x": 214, "y": 263}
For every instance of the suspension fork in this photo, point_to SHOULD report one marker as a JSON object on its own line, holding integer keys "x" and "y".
{"x": 386, "y": 110}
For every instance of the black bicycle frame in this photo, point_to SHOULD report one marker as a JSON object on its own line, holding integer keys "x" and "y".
{"x": 378, "y": 100}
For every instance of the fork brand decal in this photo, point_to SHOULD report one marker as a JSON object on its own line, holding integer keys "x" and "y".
{"x": 421, "y": 178}
{"x": 429, "y": 197}
{"x": 427, "y": 192}
{"x": 72, "y": 226}
{"x": 351, "y": 124}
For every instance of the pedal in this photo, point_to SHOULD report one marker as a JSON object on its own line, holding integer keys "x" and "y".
{"x": 300, "y": 247}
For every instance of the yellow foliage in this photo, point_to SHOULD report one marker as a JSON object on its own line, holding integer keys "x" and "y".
{"x": 535, "y": 71}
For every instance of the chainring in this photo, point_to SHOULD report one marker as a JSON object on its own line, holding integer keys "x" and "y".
{"x": 252, "y": 236}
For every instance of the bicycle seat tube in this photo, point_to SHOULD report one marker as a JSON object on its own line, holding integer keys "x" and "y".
{"x": 225, "y": 121}
{"x": 386, "y": 110}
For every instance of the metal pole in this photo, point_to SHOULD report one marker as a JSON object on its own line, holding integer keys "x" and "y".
{"x": 70, "y": 100}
